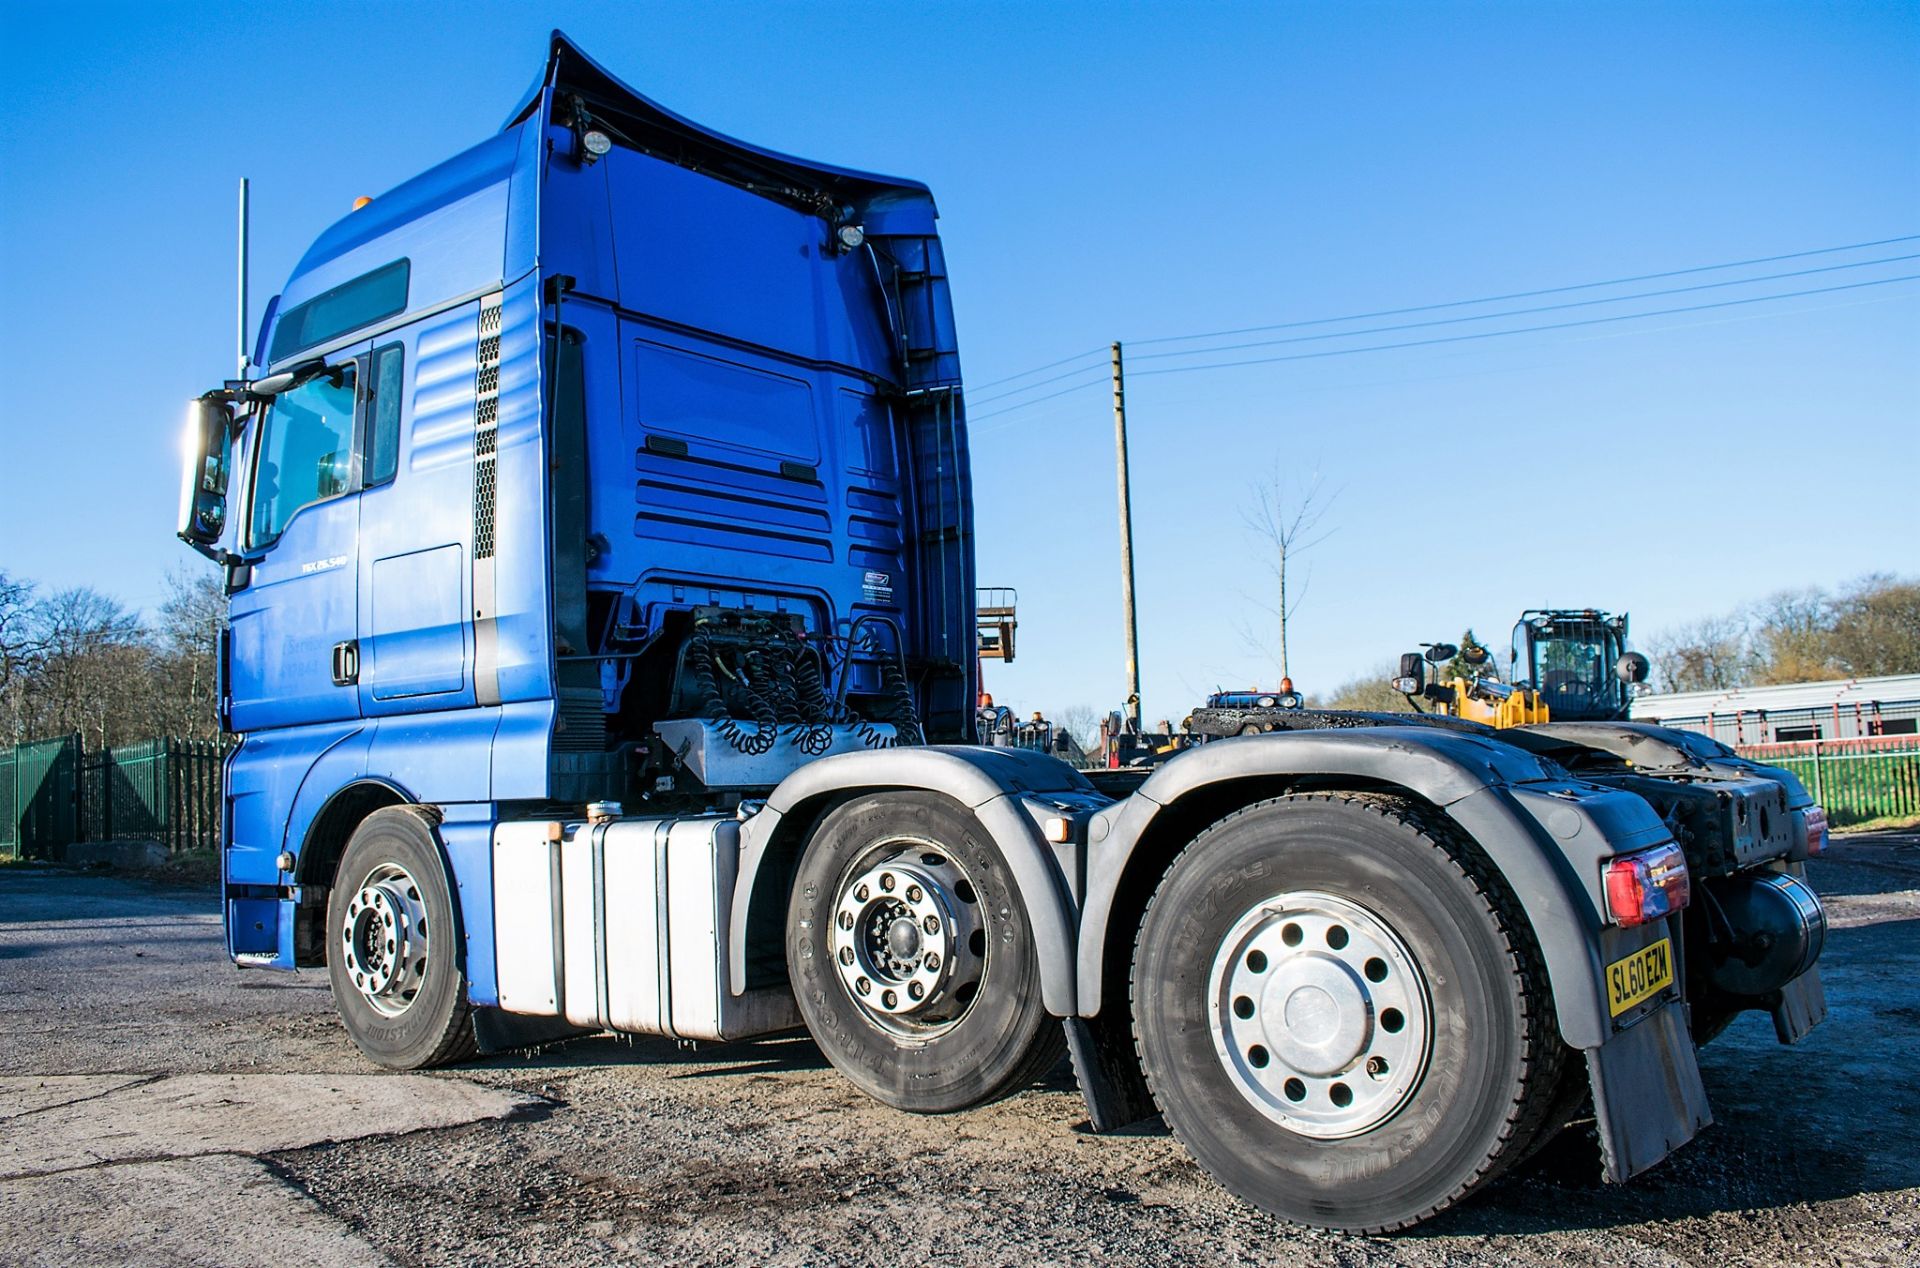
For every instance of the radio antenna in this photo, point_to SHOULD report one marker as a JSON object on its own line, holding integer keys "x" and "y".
{"x": 245, "y": 354}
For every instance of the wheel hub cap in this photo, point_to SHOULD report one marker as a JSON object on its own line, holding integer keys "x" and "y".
{"x": 907, "y": 941}
{"x": 383, "y": 940}
{"x": 1321, "y": 1016}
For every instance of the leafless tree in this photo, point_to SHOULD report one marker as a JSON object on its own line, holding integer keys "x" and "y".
{"x": 187, "y": 636}
{"x": 1283, "y": 516}
{"x": 1082, "y": 722}
{"x": 1369, "y": 693}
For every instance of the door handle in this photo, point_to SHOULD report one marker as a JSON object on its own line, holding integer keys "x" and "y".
{"x": 346, "y": 663}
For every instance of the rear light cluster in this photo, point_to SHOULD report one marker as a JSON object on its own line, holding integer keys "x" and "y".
{"x": 1646, "y": 886}
{"x": 1816, "y": 829}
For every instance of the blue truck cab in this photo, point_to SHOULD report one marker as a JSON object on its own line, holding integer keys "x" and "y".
{"x": 598, "y": 526}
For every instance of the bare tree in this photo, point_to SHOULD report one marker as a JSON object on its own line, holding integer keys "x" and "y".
{"x": 1791, "y": 637}
{"x": 188, "y": 648}
{"x": 1876, "y": 628}
{"x": 20, "y": 651}
{"x": 1707, "y": 655}
{"x": 1369, "y": 693}
{"x": 1283, "y": 517}
{"x": 1082, "y": 722}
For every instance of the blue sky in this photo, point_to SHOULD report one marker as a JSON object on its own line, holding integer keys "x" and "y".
{"x": 1112, "y": 172}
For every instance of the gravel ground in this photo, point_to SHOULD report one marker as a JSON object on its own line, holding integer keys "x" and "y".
{"x": 603, "y": 1150}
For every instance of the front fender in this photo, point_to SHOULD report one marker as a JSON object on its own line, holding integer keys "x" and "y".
{"x": 987, "y": 781}
{"x": 1499, "y": 795}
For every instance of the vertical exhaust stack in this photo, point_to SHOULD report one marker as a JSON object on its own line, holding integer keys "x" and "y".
{"x": 246, "y": 355}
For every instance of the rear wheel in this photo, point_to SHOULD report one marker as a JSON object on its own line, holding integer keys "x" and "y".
{"x": 912, "y": 959}
{"x": 1341, "y": 1012}
{"x": 392, "y": 954}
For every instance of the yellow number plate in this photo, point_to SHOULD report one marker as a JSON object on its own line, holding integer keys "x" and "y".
{"x": 1639, "y": 977}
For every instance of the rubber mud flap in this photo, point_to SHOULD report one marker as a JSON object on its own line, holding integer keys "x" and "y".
{"x": 1802, "y": 1006}
{"x": 1647, "y": 1093}
{"x": 1108, "y": 1071}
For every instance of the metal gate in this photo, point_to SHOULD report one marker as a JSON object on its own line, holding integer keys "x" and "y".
{"x": 52, "y": 794}
{"x": 39, "y": 797}
{"x": 1856, "y": 779}
{"x": 161, "y": 790}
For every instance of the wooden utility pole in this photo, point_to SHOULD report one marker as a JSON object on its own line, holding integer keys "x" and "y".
{"x": 1126, "y": 537}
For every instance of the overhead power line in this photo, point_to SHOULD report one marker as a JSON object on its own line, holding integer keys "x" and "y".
{"x": 1524, "y": 312}
{"x": 1078, "y": 356}
{"x": 1465, "y": 338}
{"x": 1524, "y": 330}
{"x": 1550, "y": 290}
{"x": 1407, "y": 311}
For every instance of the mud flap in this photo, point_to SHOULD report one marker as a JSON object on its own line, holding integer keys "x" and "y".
{"x": 497, "y": 1031}
{"x": 1802, "y": 1006}
{"x": 1647, "y": 1094}
{"x": 1108, "y": 1070}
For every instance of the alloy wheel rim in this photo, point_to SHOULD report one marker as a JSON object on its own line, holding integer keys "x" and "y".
{"x": 1320, "y": 1015}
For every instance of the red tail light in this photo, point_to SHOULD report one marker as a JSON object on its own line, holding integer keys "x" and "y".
{"x": 1649, "y": 885}
{"x": 1816, "y": 829}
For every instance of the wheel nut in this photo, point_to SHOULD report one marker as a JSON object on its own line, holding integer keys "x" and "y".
{"x": 889, "y": 999}
{"x": 863, "y": 986}
{"x": 886, "y": 881}
{"x": 916, "y": 990}
{"x": 933, "y": 959}
{"x": 846, "y": 920}
{"x": 913, "y": 893}
{"x": 862, "y": 893}
{"x": 931, "y": 924}
{"x": 846, "y": 955}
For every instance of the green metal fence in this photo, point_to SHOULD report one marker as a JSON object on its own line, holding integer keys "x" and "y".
{"x": 39, "y": 797}
{"x": 1856, "y": 780}
{"x": 54, "y": 793}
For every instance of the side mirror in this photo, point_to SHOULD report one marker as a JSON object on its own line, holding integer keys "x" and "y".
{"x": 1441, "y": 653}
{"x": 1412, "y": 676}
{"x": 1632, "y": 667}
{"x": 203, "y": 479}
{"x": 1474, "y": 654}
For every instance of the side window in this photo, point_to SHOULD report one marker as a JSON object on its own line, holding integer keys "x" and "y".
{"x": 383, "y": 414}
{"x": 305, "y": 452}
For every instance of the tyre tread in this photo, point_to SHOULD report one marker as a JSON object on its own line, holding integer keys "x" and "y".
{"x": 459, "y": 1042}
{"x": 1543, "y": 1055}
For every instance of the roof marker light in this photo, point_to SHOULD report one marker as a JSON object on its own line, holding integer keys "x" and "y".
{"x": 361, "y": 201}
{"x": 851, "y": 236}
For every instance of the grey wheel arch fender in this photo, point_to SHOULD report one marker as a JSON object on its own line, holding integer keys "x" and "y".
{"x": 1464, "y": 776}
{"x": 986, "y": 781}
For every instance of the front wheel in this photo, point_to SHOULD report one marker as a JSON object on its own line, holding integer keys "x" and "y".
{"x": 392, "y": 952}
{"x": 1342, "y": 1013}
{"x": 912, "y": 959}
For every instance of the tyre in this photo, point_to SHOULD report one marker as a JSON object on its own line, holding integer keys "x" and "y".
{"x": 912, "y": 958}
{"x": 1341, "y": 1012}
{"x": 393, "y": 952}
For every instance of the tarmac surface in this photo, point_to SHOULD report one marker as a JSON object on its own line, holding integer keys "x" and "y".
{"x": 158, "y": 1106}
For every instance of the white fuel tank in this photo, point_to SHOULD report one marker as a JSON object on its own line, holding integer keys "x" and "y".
{"x": 623, "y": 926}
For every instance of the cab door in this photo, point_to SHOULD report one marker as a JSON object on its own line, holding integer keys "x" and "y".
{"x": 295, "y": 637}
{"x": 416, "y": 518}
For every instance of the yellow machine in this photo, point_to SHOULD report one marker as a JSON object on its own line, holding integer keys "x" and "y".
{"x": 1572, "y": 663}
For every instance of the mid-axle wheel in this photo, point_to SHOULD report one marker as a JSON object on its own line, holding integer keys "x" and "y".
{"x": 912, "y": 959}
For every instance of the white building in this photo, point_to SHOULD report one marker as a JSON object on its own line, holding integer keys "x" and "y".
{"x": 1844, "y": 709}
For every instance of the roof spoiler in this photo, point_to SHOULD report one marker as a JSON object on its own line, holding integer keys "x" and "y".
{"x": 655, "y": 130}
